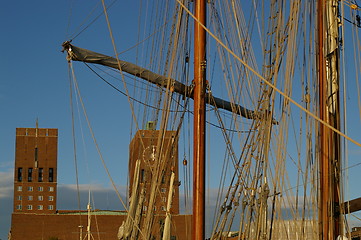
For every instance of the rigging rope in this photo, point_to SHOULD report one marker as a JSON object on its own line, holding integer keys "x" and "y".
{"x": 71, "y": 73}
{"x": 95, "y": 142}
{"x": 157, "y": 108}
{"x": 269, "y": 83}
{"x": 93, "y": 21}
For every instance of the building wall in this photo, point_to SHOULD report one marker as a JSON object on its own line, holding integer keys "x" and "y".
{"x": 36, "y": 149}
{"x": 66, "y": 226}
{"x": 356, "y": 233}
{"x": 144, "y": 147}
{"x": 35, "y": 173}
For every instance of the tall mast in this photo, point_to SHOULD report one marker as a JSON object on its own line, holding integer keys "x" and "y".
{"x": 199, "y": 121}
{"x": 329, "y": 204}
{"x": 324, "y": 195}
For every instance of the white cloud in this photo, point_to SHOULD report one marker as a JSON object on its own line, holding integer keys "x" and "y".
{"x": 104, "y": 198}
{"x": 8, "y": 164}
{"x": 6, "y": 184}
{"x": 6, "y": 197}
{"x": 92, "y": 187}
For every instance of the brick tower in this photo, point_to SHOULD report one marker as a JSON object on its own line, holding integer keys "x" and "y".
{"x": 143, "y": 147}
{"x": 35, "y": 176}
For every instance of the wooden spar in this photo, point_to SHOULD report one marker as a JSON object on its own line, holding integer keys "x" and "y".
{"x": 84, "y": 55}
{"x": 330, "y": 224}
{"x": 352, "y": 206}
{"x": 324, "y": 220}
{"x": 198, "y": 232}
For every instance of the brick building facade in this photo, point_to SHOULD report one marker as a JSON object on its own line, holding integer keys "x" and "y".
{"x": 67, "y": 225}
{"x": 35, "y": 215}
{"x": 144, "y": 147}
{"x": 35, "y": 173}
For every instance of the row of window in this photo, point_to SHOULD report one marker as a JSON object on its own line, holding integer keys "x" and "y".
{"x": 30, "y": 189}
{"x": 164, "y": 199}
{"x": 143, "y": 176}
{"x": 40, "y": 174}
{"x": 162, "y": 208}
{"x": 30, "y": 207}
{"x": 40, "y": 198}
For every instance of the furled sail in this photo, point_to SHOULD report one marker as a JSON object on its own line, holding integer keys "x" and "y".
{"x": 167, "y": 228}
{"x": 126, "y": 228}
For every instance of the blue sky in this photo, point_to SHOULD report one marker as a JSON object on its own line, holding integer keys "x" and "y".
{"x": 31, "y": 85}
{"x": 34, "y": 84}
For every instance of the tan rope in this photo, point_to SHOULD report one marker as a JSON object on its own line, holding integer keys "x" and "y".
{"x": 269, "y": 83}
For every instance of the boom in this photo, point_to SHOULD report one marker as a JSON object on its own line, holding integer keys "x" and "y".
{"x": 84, "y": 55}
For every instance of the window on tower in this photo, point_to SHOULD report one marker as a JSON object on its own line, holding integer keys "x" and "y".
{"x": 163, "y": 176}
{"x": 142, "y": 176}
{"x": 51, "y": 174}
{"x": 20, "y": 174}
{"x": 36, "y": 157}
{"x": 40, "y": 177}
{"x": 36, "y": 154}
{"x": 30, "y": 174}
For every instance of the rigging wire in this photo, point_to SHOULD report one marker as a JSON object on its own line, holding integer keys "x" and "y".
{"x": 93, "y": 21}
{"x": 96, "y": 144}
{"x": 99, "y": 152}
{"x": 307, "y": 115}
{"x": 69, "y": 18}
{"x": 357, "y": 23}
{"x": 296, "y": 186}
{"x": 147, "y": 221}
{"x": 145, "y": 39}
{"x": 270, "y": 84}
{"x": 70, "y": 74}
{"x": 157, "y": 108}
{"x": 84, "y": 145}
{"x": 343, "y": 142}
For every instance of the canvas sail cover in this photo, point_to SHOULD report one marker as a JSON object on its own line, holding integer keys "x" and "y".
{"x": 84, "y": 55}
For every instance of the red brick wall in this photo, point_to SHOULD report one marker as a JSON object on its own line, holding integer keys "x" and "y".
{"x": 66, "y": 226}
{"x": 140, "y": 148}
{"x": 35, "y": 148}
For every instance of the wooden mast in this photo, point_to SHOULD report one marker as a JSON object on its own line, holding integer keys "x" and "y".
{"x": 329, "y": 143}
{"x": 198, "y": 232}
{"x": 324, "y": 168}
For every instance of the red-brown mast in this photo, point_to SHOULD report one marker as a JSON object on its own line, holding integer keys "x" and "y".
{"x": 329, "y": 153}
{"x": 199, "y": 121}
{"x": 324, "y": 166}
{"x": 324, "y": 218}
